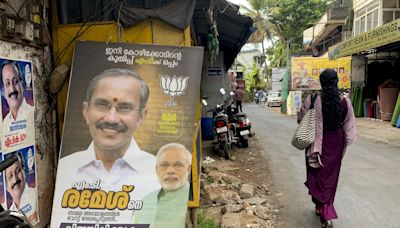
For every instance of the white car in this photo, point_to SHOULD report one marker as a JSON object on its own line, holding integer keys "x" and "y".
{"x": 274, "y": 99}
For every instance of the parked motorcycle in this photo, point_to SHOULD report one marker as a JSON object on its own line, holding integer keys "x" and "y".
{"x": 223, "y": 130}
{"x": 242, "y": 126}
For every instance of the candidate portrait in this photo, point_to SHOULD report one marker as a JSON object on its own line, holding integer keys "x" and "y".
{"x": 115, "y": 106}
{"x": 22, "y": 196}
{"x": 18, "y": 114}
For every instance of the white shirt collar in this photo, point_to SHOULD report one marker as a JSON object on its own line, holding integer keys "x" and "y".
{"x": 133, "y": 157}
{"x": 21, "y": 109}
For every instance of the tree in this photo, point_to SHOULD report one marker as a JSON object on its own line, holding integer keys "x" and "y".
{"x": 292, "y": 17}
{"x": 253, "y": 79}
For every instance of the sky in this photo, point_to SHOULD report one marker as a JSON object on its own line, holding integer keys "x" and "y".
{"x": 250, "y": 46}
{"x": 240, "y": 2}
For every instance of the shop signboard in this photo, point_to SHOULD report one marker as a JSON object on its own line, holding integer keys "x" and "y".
{"x": 277, "y": 78}
{"x": 382, "y": 35}
{"x": 18, "y": 184}
{"x": 214, "y": 71}
{"x": 105, "y": 106}
{"x": 306, "y": 71}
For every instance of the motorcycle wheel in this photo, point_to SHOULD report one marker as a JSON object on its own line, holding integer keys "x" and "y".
{"x": 244, "y": 142}
{"x": 224, "y": 148}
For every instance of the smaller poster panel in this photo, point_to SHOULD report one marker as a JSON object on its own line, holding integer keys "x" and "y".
{"x": 293, "y": 102}
{"x": 20, "y": 184}
{"x": 17, "y": 103}
{"x": 277, "y": 78}
{"x": 2, "y": 187}
{"x": 306, "y": 71}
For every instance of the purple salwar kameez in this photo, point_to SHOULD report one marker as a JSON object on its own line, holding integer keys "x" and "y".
{"x": 322, "y": 182}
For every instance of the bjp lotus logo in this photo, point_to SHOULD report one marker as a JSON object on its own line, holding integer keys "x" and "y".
{"x": 173, "y": 87}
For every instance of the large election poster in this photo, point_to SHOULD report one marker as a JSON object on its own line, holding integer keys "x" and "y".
{"x": 306, "y": 71}
{"x": 18, "y": 189}
{"x": 105, "y": 176}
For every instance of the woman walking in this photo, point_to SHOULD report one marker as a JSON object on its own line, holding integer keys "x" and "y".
{"x": 335, "y": 130}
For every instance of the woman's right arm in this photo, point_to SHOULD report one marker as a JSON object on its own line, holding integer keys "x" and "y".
{"x": 304, "y": 108}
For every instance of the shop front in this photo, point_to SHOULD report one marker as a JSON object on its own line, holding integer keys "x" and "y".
{"x": 375, "y": 71}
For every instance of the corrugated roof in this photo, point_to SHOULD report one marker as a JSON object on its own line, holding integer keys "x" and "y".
{"x": 234, "y": 29}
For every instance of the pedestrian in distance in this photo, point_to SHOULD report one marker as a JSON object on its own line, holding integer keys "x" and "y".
{"x": 261, "y": 97}
{"x": 239, "y": 98}
{"x": 334, "y": 132}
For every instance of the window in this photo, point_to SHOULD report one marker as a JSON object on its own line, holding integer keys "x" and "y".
{"x": 390, "y": 3}
{"x": 387, "y": 16}
{"x": 370, "y": 16}
{"x": 369, "y": 21}
{"x": 375, "y": 18}
{"x": 362, "y": 26}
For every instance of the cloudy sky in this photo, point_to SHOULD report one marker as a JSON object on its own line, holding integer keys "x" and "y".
{"x": 240, "y": 2}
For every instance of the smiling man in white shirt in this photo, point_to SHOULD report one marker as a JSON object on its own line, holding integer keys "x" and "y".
{"x": 20, "y": 118}
{"x": 115, "y": 107}
{"x": 23, "y": 197}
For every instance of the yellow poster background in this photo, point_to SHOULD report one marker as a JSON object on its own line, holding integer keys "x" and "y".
{"x": 306, "y": 71}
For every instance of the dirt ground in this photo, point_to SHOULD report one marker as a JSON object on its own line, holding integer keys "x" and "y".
{"x": 250, "y": 167}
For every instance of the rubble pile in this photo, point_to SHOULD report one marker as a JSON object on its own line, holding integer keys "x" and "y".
{"x": 232, "y": 203}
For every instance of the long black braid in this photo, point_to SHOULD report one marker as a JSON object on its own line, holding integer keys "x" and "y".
{"x": 331, "y": 107}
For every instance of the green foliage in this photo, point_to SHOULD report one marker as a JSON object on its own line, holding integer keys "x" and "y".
{"x": 292, "y": 17}
{"x": 277, "y": 55}
{"x": 253, "y": 80}
{"x": 204, "y": 222}
{"x": 209, "y": 180}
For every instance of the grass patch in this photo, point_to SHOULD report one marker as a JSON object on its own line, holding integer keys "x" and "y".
{"x": 209, "y": 180}
{"x": 204, "y": 222}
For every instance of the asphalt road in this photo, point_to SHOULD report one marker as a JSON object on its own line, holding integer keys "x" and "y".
{"x": 368, "y": 194}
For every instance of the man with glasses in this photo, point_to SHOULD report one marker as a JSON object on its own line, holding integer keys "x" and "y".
{"x": 167, "y": 207}
{"x": 115, "y": 107}
{"x": 21, "y": 115}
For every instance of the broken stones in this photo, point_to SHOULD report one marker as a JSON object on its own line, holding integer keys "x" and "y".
{"x": 228, "y": 197}
{"x": 262, "y": 212}
{"x": 230, "y": 220}
{"x": 232, "y": 208}
{"x": 254, "y": 200}
{"x": 246, "y": 191}
{"x": 215, "y": 213}
{"x": 232, "y": 203}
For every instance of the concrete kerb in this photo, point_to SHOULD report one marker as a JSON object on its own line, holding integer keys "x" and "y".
{"x": 378, "y": 131}
{"x": 373, "y": 129}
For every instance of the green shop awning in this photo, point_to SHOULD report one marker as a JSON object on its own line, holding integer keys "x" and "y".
{"x": 380, "y": 36}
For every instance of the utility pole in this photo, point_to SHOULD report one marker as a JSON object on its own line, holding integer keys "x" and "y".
{"x": 286, "y": 78}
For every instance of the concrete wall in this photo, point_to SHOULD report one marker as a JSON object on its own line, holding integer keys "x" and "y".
{"x": 44, "y": 120}
{"x": 210, "y": 85}
{"x": 358, "y": 69}
{"x": 358, "y": 4}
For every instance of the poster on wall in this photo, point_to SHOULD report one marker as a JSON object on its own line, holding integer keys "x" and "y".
{"x": 277, "y": 78}
{"x": 18, "y": 190}
{"x": 20, "y": 184}
{"x": 105, "y": 176}
{"x": 306, "y": 71}
{"x": 2, "y": 186}
{"x": 17, "y": 102}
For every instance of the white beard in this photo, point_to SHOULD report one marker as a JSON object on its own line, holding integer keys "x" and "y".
{"x": 173, "y": 186}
